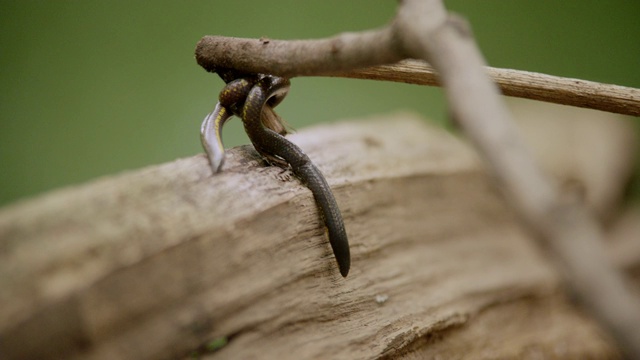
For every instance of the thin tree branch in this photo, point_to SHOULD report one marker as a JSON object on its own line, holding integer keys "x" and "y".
{"x": 518, "y": 83}
{"x": 346, "y": 56}
{"x": 298, "y": 57}
{"x": 424, "y": 30}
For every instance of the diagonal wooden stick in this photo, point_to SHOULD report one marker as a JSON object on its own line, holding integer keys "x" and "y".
{"x": 518, "y": 83}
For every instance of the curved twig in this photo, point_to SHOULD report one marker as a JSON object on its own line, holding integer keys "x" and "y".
{"x": 424, "y": 30}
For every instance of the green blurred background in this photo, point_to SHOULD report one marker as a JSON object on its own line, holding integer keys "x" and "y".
{"x": 90, "y": 88}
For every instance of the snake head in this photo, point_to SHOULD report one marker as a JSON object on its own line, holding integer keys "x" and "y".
{"x": 211, "y": 136}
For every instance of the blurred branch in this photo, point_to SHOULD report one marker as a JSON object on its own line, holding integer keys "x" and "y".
{"x": 518, "y": 83}
{"x": 423, "y": 29}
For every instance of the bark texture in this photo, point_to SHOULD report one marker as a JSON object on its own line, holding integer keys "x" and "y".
{"x": 157, "y": 263}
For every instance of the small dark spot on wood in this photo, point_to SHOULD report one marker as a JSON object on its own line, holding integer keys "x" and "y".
{"x": 200, "y": 326}
{"x": 573, "y": 190}
{"x": 372, "y": 142}
{"x": 336, "y": 46}
{"x": 264, "y": 40}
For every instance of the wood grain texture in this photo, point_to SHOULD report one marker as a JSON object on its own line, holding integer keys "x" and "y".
{"x": 519, "y": 83}
{"x": 154, "y": 263}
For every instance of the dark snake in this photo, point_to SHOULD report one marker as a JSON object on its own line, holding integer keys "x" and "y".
{"x": 246, "y": 97}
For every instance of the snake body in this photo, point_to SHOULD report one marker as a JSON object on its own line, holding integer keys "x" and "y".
{"x": 246, "y": 97}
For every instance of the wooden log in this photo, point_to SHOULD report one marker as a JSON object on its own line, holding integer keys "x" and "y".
{"x": 158, "y": 263}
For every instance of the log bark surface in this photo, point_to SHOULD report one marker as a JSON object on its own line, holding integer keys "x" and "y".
{"x": 155, "y": 263}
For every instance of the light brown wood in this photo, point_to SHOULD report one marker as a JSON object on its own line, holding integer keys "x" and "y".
{"x": 590, "y": 153}
{"x": 519, "y": 83}
{"x": 154, "y": 263}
